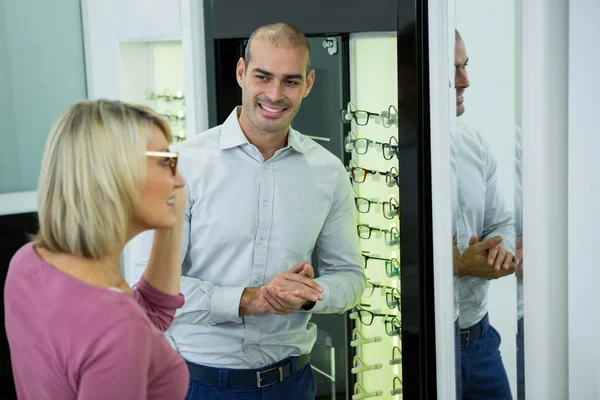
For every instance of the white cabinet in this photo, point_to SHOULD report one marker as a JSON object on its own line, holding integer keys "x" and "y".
{"x": 149, "y": 20}
{"x": 149, "y": 51}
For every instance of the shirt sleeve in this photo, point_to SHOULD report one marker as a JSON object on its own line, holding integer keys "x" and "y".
{"x": 117, "y": 366}
{"x": 337, "y": 250}
{"x": 518, "y": 183}
{"x": 159, "y": 307}
{"x": 498, "y": 219}
{"x": 205, "y": 303}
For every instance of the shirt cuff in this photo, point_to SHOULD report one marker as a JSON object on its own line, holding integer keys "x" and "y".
{"x": 225, "y": 304}
{"x": 320, "y": 306}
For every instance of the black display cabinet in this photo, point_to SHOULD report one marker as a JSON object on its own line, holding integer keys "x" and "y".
{"x": 231, "y": 22}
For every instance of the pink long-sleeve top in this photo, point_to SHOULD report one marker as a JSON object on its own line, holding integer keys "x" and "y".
{"x": 72, "y": 340}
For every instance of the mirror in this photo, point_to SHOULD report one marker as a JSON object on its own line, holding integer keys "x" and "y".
{"x": 486, "y": 160}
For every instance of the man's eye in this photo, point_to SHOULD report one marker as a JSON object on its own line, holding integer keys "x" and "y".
{"x": 293, "y": 83}
{"x": 261, "y": 77}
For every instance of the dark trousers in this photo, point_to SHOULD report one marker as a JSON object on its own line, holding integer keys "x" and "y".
{"x": 299, "y": 386}
{"x": 483, "y": 373}
{"x": 520, "y": 360}
{"x": 457, "y": 361}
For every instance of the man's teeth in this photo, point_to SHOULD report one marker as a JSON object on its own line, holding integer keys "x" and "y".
{"x": 171, "y": 200}
{"x": 271, "y": 109}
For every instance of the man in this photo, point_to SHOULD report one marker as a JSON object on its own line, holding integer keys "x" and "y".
{"x": 519, "y": 263}
{"x": 484, "y": 250}
{"x": 261, "y": 199}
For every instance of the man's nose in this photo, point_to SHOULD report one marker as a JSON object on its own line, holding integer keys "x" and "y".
{"x": 462, "y": 79}
{"x": 274, "y": 93}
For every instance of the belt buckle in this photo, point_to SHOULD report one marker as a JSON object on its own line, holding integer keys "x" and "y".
{"x": 467, "y": 334}
{"x": 259, "y": 376}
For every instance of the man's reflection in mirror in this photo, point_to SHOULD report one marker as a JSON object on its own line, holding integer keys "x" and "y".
{"x": 483, "y": 249}
{"x": 519, "y": 263}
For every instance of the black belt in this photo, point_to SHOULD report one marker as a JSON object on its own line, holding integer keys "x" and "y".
{"x": 474, "y": 332}
{"x": 259, "y": 378}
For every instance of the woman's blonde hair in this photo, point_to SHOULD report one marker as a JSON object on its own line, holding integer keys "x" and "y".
{"x": 92, "y": 174}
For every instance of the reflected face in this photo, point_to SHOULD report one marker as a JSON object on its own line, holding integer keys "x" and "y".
{"x": 157, "y": 201}
{"x": 461, "y": 78}
{"x": 273, "y": 85}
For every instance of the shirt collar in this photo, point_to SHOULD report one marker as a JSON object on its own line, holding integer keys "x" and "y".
{"x": 233, "y": 136}
{"x": 297, "y": 141}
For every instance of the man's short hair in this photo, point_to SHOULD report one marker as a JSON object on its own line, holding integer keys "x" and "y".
{"x": 281, "y": 34}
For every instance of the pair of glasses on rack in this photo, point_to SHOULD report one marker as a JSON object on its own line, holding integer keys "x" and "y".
{"x": 392, "y": 294}
{"x": 179, "y": 116}
{"x": 359, "y": 174}
{"x": 362, "y": 145}
{"x": 166, "y": 95}
{"x": 391, "y": 236}
{"x": 366, "y": 317}
{"x": 389, "y": 117}
{"x": 362, "y": 117}
{"x": 177, "y": 137}
{"x": 393, "y": 261}
{"x": 389, "y": 209}
{"x": 393, "y": 327}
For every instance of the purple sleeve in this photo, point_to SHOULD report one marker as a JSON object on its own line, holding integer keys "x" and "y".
{"x": 117, "y": 366}
{"x": 159, "y": 307}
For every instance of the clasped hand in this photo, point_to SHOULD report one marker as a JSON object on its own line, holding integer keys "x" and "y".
{"x": 291, "y": 290}
{"x": 488, "y": 259}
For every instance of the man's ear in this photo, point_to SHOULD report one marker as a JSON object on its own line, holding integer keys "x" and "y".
{"x": 310, "y": 81}
{"x": 240, "y": 71}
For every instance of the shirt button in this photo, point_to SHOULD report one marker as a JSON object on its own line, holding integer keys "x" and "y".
{"x": 251, "y": 317}
{"x": 257, "y": 280}
{"x": 264, "y": 203}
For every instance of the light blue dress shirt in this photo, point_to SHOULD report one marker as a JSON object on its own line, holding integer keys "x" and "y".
{"x": 519, "y": 208}
{"x": 246, "y": 221}
{"x": 482, "y": 212}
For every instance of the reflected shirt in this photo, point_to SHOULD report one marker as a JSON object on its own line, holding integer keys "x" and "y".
{"x": 246, "y": 221}
{"x": 519, "y": 208}
{"x": 454, "y": 193}
{"x": 482, "y": 212}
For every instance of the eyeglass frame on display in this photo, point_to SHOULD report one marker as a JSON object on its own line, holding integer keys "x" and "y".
{"x": 167, "y": 95}
{"x": 356, "y": 314}
{"x": 395, "y": 328}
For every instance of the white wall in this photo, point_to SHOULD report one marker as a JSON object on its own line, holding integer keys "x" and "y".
{"x": 108, "y": 24}
{"x": 488, "y": 30}
{"x": 584, "y": 196}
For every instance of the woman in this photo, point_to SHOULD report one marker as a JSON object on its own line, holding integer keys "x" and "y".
{"x": 75, "y": 328}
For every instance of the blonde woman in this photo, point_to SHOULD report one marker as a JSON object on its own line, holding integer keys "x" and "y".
{"x": 75, "y": 329}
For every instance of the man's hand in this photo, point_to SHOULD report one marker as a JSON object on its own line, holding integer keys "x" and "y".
{"x": 286, "y": 297}
{"x": 253, "y": 303}
{"x": 499, "y": 257}
{"x": 474, "y": 261}
{"x": 519, "y": 257}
